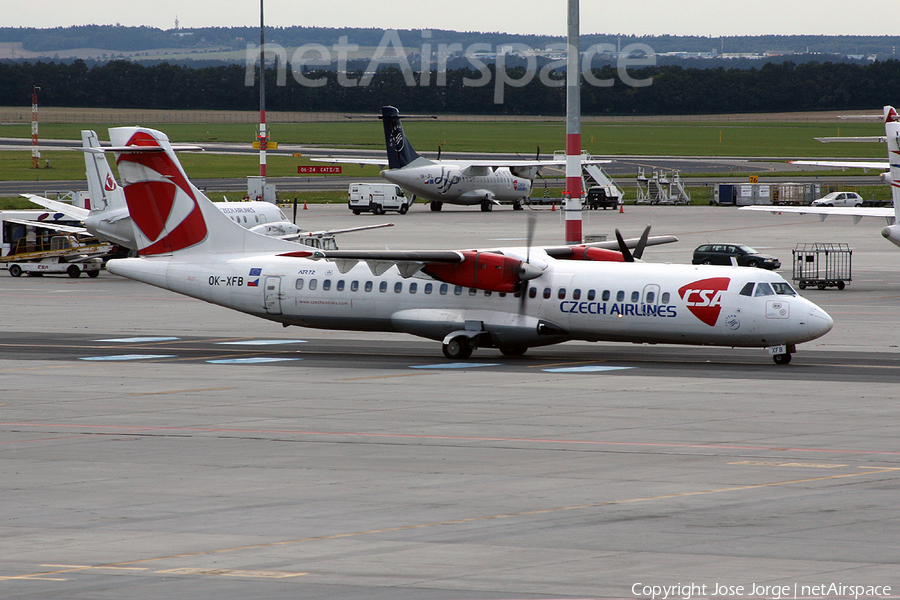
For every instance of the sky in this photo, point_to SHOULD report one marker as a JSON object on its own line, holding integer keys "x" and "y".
{"x": 544, "y": 17}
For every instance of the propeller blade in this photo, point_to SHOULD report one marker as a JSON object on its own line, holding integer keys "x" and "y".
{"x": 527, "y": 271}
{"x": 529, "y": 238}
{"x": 623, "y": 248}
{"x": 642, "y": 243}
{"x": 537, "y": 155}
{"x": 439, "y": 152}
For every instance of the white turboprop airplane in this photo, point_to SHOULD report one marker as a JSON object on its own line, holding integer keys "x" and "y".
{"x": 507, "y": 298}
{"x": 462, "y": 182}
{"x": 891, "y": 174}
{"x": 108, "y": 217}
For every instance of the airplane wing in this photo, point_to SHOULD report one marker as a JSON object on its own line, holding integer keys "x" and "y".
{"x": 493, "y": 163}
{"x": 566, "y": 251}
{"x": 826, "y": 211}
{"x": 48, "y": 225}
{"x": 73, "y": 212}
{"x": 872, "y": 138}
{"x": 884, "y": 166}
{"x": 325, "y": 232}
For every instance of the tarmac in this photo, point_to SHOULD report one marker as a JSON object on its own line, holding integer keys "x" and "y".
{"x": 156, "y": 446}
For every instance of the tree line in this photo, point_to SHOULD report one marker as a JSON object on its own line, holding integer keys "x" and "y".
{"x": 668, "y": 89}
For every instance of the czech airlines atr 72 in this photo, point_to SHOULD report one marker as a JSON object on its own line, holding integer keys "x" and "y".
{"x": 506, "y": 298}
{"x": 462, "y": 182}
{"x": 891, "y": 174}
{"x": 109, "y": 219}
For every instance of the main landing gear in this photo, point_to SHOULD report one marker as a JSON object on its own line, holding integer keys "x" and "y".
{"x": 459, "y": 347}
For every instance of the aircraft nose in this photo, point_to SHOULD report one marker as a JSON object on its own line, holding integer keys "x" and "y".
{"x": 820, "y": 322}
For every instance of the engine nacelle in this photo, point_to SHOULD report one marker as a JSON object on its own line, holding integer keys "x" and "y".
{"x": 590, "y": 253}
{"x": 524, "y": 172}
{"x": 886, "y": 177}
{"x": 485, "y": 271}
{"x": 892, "y": 234}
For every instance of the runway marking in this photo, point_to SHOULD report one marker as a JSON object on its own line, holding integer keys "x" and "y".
{"x": 128, "y": 357}
{"x": 136, "y": 340}
{"x": 525, "y": 513}
{"x": 456, "y": 365}
{"x": 251, "y": 360}
{"x": 179, "y": 391}
{"x": 263, "y": 342}
{"x": 764, "y": 463}
{"x": 586, "y": 369}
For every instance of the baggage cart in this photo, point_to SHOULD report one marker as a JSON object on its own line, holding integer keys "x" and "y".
{"x": 822, "y": 265}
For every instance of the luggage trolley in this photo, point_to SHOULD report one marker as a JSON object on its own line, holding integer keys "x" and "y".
{"x": 822, "y": 265}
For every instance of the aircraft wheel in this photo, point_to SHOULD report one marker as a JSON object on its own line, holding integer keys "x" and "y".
{"x": 518, "y": 206}
{"x": 93, "y": 274}
{"x": 782, "y": 359}
{"x": 404, "y": 209}
{"x": 74, "y": 272}
{"x": 486, "y": 205}
{"x": 458, "y": 348}
{"x": 513, "y": 350}
{"x": 15, "y": 270}
{"x": 436, "y": 206}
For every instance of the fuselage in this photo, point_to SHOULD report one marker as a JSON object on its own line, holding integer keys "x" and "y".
{"x": 458, "y": 184}
{"x": 595, "y": 301}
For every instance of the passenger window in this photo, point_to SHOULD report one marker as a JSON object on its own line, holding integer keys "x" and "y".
{"x": 427, "y": 288}
{"x": 620, "y": 296}
{"x": 298, "y": 284}
{"x": 444, "y": 288}
{"x": 635, "y": 297}
{"x": 354, "y": 286}
{"x": 764, "y": 289}
{"x": 382, "y": 287}
{"x": 576, "y": 294}
{"x": 561, "y": 293}
{"x": 605, "y": 296}
{"x": 398, "y": 287}
{"x": 591, "y": 294}
{"x": 313, "y": 284}
{"x": 747, "y": 290}
{"x": 326, "y": 285}
{"x": 532, "y": 292}
{"x": 340, "y": 285}
{"x": 472, "y": 291}
{"x": 546, "y": 293}
{"x": 413, "y": 287}
{"x": 487, "y": 292}
{"x": 457, "y": 290}
{"x": 665, "y": 298}
{"x": 368, "y": 286}
{"x": 651, "y": 297}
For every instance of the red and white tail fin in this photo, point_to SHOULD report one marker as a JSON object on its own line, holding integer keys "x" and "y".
{"x": 892, "y": 133}
{"x": 103, "y": 189}
{"x": 170, "y": 215}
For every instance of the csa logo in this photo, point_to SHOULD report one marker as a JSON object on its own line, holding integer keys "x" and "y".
{"x": 704, "y": 298}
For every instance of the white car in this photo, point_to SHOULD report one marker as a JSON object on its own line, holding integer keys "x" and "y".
{"x": 839, "y": 199}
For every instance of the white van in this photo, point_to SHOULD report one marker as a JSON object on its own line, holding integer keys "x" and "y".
{"x": 377, "y": 198}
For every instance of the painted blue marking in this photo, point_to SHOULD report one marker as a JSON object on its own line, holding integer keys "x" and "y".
{"x": 133, "y": 340}
{"x": 245, "y": 361}
{"x": 262, "y": 342}
{"x": 129, "y": 357}
{"x": 457, "y": 365}
{"x": 589, "y": 369}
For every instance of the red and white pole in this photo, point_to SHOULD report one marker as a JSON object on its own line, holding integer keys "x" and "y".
{"x": 573, "y": 129}
{"x": 262, "y": 136}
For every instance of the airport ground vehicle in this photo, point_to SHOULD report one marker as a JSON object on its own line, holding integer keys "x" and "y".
{"x": 377, "y": 198}
{"x": 743, "y": 256}
{"x": 598, "y": 197}
{"x": 57, "y": 254}
{"x": 839, "y": 199}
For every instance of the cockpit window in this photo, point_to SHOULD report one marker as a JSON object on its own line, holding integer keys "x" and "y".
{"x": 763, "y": 289}
{"x": 784, "y": 289}
{"x": 747, "y": 290}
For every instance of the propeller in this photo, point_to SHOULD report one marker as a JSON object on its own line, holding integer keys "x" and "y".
{"x": 439, "y": 152}
{"x": 527, "y": 271}
{"x": 638, "y": 249}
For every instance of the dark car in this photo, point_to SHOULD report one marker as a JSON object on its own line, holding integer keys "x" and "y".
{"x": 744, "y": 256}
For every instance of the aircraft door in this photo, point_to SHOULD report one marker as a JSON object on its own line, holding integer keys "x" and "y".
{"x": 272, "y": 295}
